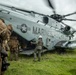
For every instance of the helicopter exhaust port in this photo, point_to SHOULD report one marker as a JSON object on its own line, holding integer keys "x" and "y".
{"x": 66, "y": 30}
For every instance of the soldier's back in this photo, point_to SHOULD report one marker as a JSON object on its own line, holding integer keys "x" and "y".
{"x": 13, "y": 43}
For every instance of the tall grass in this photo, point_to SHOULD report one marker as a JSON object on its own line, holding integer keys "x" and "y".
{"x": 50, "y": 64}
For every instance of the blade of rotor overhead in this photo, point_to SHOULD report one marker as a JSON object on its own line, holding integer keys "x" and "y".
{"x": 24, "y": 10}
{"x": 50, "y": 4}
{"x": 13, "y": 8}
{"x": 69, "y": 14}
{"x": 65, "y": 19}
{"x": 64, "y": 24}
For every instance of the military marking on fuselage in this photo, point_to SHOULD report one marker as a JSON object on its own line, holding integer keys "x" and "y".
{"x": 37, "y": 30}
{"x": 23, "y": 28}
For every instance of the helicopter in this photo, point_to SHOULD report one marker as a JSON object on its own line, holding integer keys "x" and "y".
{"x": 28, "y": 25}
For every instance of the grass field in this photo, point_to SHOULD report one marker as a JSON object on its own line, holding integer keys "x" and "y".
{"x": 51, "y": 64}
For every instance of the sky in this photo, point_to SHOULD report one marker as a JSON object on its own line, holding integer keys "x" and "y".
{"x": 61, "y": 6}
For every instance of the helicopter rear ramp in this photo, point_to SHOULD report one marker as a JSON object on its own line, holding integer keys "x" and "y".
{"x": 30, "y": 52}
{"x": 27, "y": 52}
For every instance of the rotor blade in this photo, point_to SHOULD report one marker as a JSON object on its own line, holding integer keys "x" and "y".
{"x": 69, "y": 14}
{"x": 15, "y": 8}
{"x": 28, "y": 11}
{"x": 65, "y": 19}
{"x": 64, "y": 23}
{"x": 49, "y": 4}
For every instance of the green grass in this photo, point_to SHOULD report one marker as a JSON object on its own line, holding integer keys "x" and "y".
{"x": 51, "y": 64}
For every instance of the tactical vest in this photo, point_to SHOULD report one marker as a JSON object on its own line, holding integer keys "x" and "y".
{"x": 13, "y": 44}
{"x": 39, "y": 45}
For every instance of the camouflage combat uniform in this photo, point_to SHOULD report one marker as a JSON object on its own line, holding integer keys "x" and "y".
{"x": 5, "y": 32}
{"x": 0, "y": 62}
{"x": 14, "y": 48}
{"x": 38, "y": 49}
{"x": 3, "y": 62}
{"x": 0, "y": 65}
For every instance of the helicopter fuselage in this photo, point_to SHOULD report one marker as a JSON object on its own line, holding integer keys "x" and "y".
{"x": 31, "y": 25}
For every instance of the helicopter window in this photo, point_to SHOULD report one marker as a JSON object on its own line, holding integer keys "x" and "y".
{"x": 45, "y": 19}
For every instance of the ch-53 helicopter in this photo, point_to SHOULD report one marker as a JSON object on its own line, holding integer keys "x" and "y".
{"x": 30, "y": 24}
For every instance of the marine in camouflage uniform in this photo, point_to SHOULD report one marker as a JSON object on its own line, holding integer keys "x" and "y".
{"x": 5, "y": 32}
{"x": 14, "y": 48}
{"x": 0, "y": 64}
{"x": 0, "y": 59}
{"x": 38, "y": 49}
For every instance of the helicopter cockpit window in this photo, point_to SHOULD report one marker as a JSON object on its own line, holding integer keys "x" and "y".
{"x": 45, "y": 19}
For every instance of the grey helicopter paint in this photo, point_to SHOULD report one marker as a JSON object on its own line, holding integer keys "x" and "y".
{"x": 31, "y": 25}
